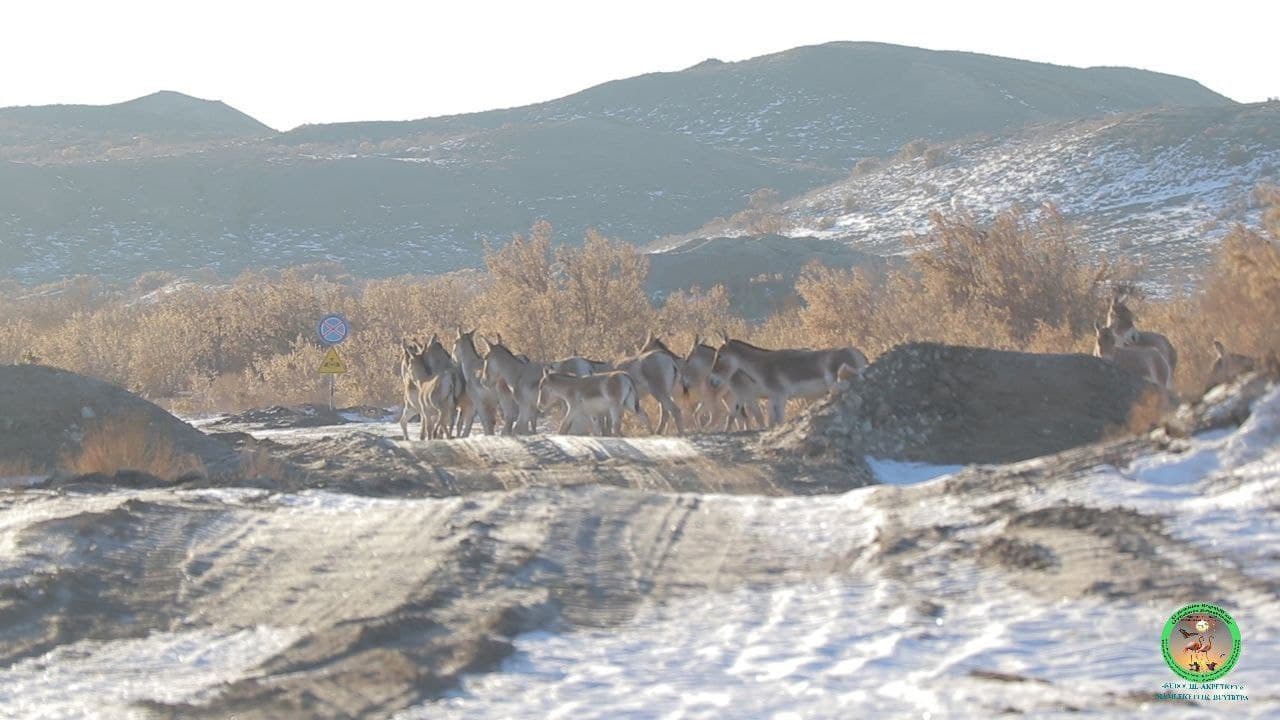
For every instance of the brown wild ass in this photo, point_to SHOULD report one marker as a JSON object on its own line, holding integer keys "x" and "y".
{"x": 1121, "y": 320}
{"x": 487, "y": 399}
{"x": 589, "y": 398}
{"x": 522, "y": 376}
{"x": 440, "y": 362}
{"x": 431, "y": 394}
{"x": 720, "y": 404}
{"x": 1227, "y": 366}
{"x": 657, "y": 372}
{"x": 784, "y": 374}
{"x": 1139, "y": 359}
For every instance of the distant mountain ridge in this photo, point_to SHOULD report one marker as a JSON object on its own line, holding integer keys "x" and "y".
{"x": 830, "y": 103}
{"x": 172, "y": 182}
{"x": 165, "y": 114}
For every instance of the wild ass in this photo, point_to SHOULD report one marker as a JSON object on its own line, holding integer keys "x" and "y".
{"x": 785, "y": 374}
{"x": 1227, "y": 366}
{"x": 1139, "y": 359}
{"x": 591, "y": 397}
{"x": 521, "y": 376}
{"x": 1121, "y": 320}
{"x": 656, "y": 371}
{"x": 720, "y": 404}
{"x": 462, "y": 413}
{"x": 431, "y": 394}
{"x": 486, "y": 398}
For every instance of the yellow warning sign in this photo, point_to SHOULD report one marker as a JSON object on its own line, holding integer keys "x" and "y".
{"x": 332, "y": 364}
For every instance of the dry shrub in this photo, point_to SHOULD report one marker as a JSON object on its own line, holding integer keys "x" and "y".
{"x": 570, "y": 301}
{"x": 936, "y": 156}
{"x": 129, "y": 442}
{"x": 1144, "y": 415}
{"x": 19, "y": 466}
{"x": 1028, "y": 270}
{"x": 913, "y": 149}
{"x": 763, "y": 215}
{"x": 866, "y": 166}
{"x": 1019, "y": 282}
{"x": 685, "y": 315}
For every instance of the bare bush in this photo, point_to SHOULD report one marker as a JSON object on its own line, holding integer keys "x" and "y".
{"x": 936, "y": 156}
{"x": 866, "y": 166}
{"x": 913, "y": 149}
{"x": 127, "y": 442}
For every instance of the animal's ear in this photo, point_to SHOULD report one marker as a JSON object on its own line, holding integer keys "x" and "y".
{"x": 1222, "y": 350}
{"x": 499, "y": 336}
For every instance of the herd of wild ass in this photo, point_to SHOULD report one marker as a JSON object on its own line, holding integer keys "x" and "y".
{"x": 720, "y": 387}
{"x": 713, "y": 386}
{"x": 1151, "y": 355}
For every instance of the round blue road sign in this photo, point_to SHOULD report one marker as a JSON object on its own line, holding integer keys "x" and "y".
{"x": 333, "y": 329}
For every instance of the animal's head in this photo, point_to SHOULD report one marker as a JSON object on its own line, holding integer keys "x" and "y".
{"x": 435, "y": 347}
{"x": 464, "y": 345}
{"x": 1119, "y": 316}
{"x": 1104, "y": 340}
{"x": 697, "y": 363}
{"x": 725, "y": 361}
{"x": 497, "y": 355}
{"x": 546, "y": 392}
{"x": 1227, "y": 365}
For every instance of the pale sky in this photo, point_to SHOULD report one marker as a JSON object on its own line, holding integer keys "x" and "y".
{"x": 288, "y": 63}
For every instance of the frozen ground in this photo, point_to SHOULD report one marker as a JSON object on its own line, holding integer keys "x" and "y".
{"x": 1038, "y": 588}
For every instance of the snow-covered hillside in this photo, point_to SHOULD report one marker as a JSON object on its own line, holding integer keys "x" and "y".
{"x": 1161, "y": 186}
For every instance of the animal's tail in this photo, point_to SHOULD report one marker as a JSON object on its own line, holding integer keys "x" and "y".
{"x": 630, "y": 396}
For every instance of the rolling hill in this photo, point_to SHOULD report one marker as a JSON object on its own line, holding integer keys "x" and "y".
{"x": 171, "y": 182}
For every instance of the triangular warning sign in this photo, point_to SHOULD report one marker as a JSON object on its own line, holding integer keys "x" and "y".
{"x": 332, "y": 364}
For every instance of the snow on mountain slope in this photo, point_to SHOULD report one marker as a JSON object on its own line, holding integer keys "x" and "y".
{"x": 1161, "y": 186}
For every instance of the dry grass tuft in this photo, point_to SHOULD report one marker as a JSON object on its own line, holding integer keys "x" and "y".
{"x": 128, "y": 442}
{"x": 259, "y": 464}
{"x": 19, "y": 467}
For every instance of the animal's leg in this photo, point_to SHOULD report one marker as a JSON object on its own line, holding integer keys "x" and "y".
{"x": 777, "y": 409}
{"x": 644, "y": 416}
{"x": 488, "y": 413}
{"x": 566, "y": 425}
{"x": 753, "y": 407}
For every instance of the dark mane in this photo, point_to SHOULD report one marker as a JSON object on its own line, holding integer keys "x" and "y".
{"x": 657, "y": 344}
{"x": 744, "y": 343}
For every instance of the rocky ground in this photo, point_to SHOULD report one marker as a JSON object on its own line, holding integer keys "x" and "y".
{"x": 346, "y": 573}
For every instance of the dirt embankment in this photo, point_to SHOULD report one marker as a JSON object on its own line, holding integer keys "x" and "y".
{"x": 950, "y": 405}
{"x": 45, "y": 413}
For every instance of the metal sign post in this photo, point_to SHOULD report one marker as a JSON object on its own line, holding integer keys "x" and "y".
{"x": 332, "y": 330}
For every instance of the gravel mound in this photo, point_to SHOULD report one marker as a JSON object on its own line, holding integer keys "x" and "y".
{"x": 279, "y": 417}
{"x": 44, "y": 413}
{"x": 947, "y": 405}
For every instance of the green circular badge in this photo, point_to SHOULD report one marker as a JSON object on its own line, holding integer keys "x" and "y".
{"x": 1200, "y": 642}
